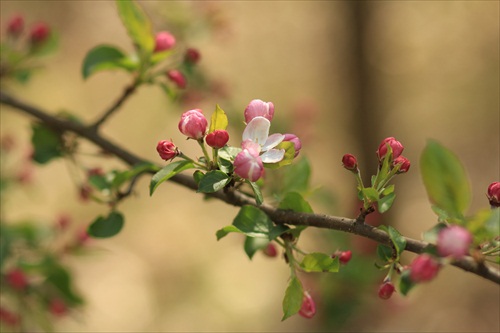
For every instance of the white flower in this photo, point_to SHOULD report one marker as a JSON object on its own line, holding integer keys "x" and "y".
{"x": 257, "y": 139}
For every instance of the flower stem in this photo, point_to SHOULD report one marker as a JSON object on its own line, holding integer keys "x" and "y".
{"x": 205, "y": 153}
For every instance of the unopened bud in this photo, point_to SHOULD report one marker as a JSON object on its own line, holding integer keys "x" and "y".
{"x": 396, "y": 146}
{"x": 297, "y": 145}
{"x": 39, "y": 33}
{"x": 424, "y": 268}
{"x": 217, "y": 139}
{"x": 270, "y": 250}
{"x": 15, "y": 26}
{"x": 193, "y": 124}
{"x": 164, "y": 41}
{"x": 167, "y": 150}
{"x": 192, "y": 56}
{"x": 178, "y": 78}
{"x": 454, "y": 241}
{"x": 386, "y": 290}
{"x": 494, "y": 194}
{"x": 404, "y": 164}
{"x": 57, "y": 307}
{"x": 308, "y": 308}
{"x": 16, "y": 278}
{"x": 258, "y": 108}
{"x": 350, "y": 162}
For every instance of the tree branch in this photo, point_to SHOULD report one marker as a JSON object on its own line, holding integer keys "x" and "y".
{"x": 237, "y": 198}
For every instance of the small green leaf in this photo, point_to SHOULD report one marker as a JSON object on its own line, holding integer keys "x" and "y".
{"x": 289, "y": 148}
{"x": 168, "y": 172}
{"x": 371, "y": 194}
{"x": 384, "y": 253}
{"x": 259, "y": 199}
{"x": 106, "y": 226}
{"x": 61, "y": 279}
{"x": 47, "y": 144}
{"x": 386, "y": 202}
{"x": 100, "y": 182}
{"x": 198, "y": 175}
{"x": 294, "y": 201}
{"x": 293, "y": 298}
{"x": 218, "y": 121}
{"x": 122, "y": 177}
{"x": 405, "y": 283}
{"x": 297, "y": 176}
{"x": 445, "y": 179}
{"x": 228, "y": 153}
{"x": 398, "y": 240}
{"x": 213, "y": 181}
{"x": 225, "y": 165}
{"x": 319, "y": 262}
{"x": 254, "y": 244}
{"x": 103, "y": 57}
{"x": 137, "y": 24}
{"x": 388, "y": 190}
{"x": 221, "y": 233}
{"x": 484, "y": 225}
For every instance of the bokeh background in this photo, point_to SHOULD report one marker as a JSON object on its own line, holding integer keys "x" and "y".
{"x": 343, "y": 75}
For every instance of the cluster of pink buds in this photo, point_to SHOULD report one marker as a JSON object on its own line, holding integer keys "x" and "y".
{"x": 37, "y": 35}
{"x": 494, "y": 194}
{"x": 397, "y": 149}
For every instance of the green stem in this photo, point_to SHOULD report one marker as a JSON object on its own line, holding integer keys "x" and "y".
{"x": 205, "y": 153}
{"x": 181, "y": 155}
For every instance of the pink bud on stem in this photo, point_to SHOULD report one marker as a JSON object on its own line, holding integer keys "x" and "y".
{"x": 396, "y": 146}
{"x": 494, "y": 194}
{"x": 258, "y": 108}
{"x": 386, "y": 290}
{"x": 454, "y": 241}
{"x": 308, "y": 308}
{"x": 217, "y": 139}
{"x": 15, "y": 26}
{"x": 177, "y": 78}
{"x": 39, "y": 34}
{"x": 164, "y": 41}
{"x": 350, "y": 162}
{"x": 167, "y": 150}
{"x": 424, "y": 268}
{"x": 193, "y": 124}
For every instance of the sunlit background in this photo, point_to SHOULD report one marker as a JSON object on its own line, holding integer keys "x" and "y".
{"x": 342, "y": 75}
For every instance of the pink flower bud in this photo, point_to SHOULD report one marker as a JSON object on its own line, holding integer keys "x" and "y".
{"x": 63, "y": 222}
{"x": 57, "y": 307}
{"x": 192, "y": 56}
{"x": 424, "y": 268}
{"x": 167, "y": 150}
{"x": 350, "y": 162}
{"x": 164, "y": 41}
{"x": 15, "y": 26}
{"x": 258, "y": 108}
{"x": 17, "y": 279}
{"x": 248, "y": 165}
{"x": 217, "y": 139}
{"x": 296, "y": 142}
{"x": 8, "y": 317}
{"x": 308, "y": 308}
{"x": 396, "y": 146}
{"x": 39, "y": 33}
{"x": 454, "y": 241}
{"x": 403, "y": 162}
{"x": 85, "y": 192}
{"x": 345, "y": 257}
{"x": 270, "y": 250}
{"x": 193, "y": 124}
{"x": 178, "y": 78}
{"x": 494, "y": 194}
{"x": 386, "y": 290}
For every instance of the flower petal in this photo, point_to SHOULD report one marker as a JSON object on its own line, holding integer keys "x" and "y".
{"x": 252, "y": 147}
{"x": 257, "y": 130}
{"x": 272, "y": 141}
{"x": 273, "y": 156}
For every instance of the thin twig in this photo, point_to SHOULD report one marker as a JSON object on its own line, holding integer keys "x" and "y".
{"x": 237, "y": 198}
{"x": 126, "y": 94}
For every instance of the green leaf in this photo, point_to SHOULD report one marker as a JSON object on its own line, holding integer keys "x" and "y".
{"x": 228, "y": 152}
{"x": 431, "y": 235}
{"x": 124, "y": 176}
{"x": 253, "y": 222}
{"x": 225, "y": 165}
{"x": 259, "y": 199}
{"x": 213, "y": 181}
{"x": 384, "y": 170}
{"x": 294, "y": 201}
{"x": 319, "y": 262}
{"x": 106, "y": 226}
{"x": 137, "y": 24}
{"x": 61, "y": 279}
{"x": 254, "y": 244}
{"x": 293, "y": 298}
{"x": 484, "y": 225}
{"x": 47, "y": 144}
{"x": 168, "y": 172}
{"x": 218, "y": 121}
{"x": 371, "y": 194}
{"x": 384, "y": 253}
{"x": 405, "y": 283}
{"x": 104, "y": 57}
{"x": 289, "y": 148}
{"x": 198, "y": 175}
{"x": 397, "y": 239}
{"x": 386, "y": 202}
{"x": 445, "y": 179}
{"x": 388, "y": 190}
{"x": 297, "y": 175}
{"x": 100, "y": 182}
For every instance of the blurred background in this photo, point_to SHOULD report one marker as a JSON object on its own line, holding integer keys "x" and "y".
{"x": 342, "y": 75}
